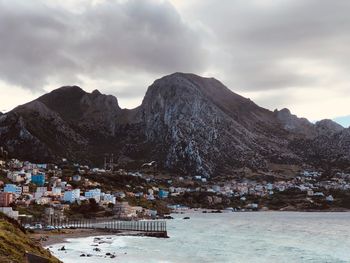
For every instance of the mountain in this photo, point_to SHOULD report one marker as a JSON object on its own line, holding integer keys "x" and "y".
{"x": 187, "y": 123}
{"x": 199, "y": 125}
{"x": 294, "y": 124}
{"x": 328, "y": 127}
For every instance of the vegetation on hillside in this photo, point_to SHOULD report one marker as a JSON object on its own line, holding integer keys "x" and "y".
{"x": 14, "y": 243}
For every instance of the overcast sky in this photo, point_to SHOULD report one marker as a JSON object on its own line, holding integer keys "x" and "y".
{"x": 279, "y": 53}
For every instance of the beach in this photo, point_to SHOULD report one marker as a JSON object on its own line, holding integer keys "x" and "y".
{"x": 49, "y": 238}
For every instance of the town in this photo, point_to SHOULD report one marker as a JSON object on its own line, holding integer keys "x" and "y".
{"x": 50, "y": 193}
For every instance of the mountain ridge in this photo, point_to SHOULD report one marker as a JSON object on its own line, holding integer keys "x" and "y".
{"x": 187, "y": 123}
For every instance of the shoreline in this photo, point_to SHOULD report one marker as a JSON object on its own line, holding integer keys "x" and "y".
{"x": 47, "y": 239}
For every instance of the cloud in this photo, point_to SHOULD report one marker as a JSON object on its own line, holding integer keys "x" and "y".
{"x": 287, "y": 53}
{"x": 31, "y": 46}
{"x": 44, "y": 43}
{"x": 258, "y": 40}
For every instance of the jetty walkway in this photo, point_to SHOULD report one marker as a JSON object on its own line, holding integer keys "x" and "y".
{"x": 156, "y": 228}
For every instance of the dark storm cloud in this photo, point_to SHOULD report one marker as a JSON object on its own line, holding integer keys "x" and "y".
{"x": 32, "y": 46}
{"x": 268, "y": 43}
{"x": 40, "y": 43}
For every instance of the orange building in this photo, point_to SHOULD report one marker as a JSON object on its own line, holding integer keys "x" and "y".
{"x": 5, "y": 199}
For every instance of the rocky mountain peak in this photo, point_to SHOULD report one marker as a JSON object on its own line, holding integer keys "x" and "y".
{"x": 295, "y": 124}
{"x": 283, "y": 112}
{"x": 328, "y": 127}
{"x": 96, "y": 92}
{"x": 72, "y": 103}
{"x": 64, "y": 101}
{"x": 185, "y": 89}
{"x": 194, "y": 84}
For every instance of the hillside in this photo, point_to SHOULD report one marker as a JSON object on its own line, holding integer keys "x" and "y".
{"x": 14, "y": 243}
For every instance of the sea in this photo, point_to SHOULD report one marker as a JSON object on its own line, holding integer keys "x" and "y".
{"x": 227, "y": 237}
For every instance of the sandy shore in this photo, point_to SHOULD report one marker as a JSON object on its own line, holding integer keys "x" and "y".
{"x": 54, "y": 237}
{"x": 49, "y": 238}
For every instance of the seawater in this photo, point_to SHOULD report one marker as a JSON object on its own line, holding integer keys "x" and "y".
{"x": 228, "y": 237}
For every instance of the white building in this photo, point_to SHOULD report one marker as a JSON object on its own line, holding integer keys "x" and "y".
{"x": 40, "y": 191}
{"x": 71, "y": 196}
{"x": 150, "y": 197}
{"x": 56, "y": 190}
{"x": 310, "y": 192}
{"x": 108, "y": 198}
{"x": 9, "y": 212}
{"x": 76, "y": 178}
{"x": 94, "y": 193}
{"x": 330, "y": 198}
{"x": 18, "y": 177}
{"x": 216, "y": 188}
{"x": 63, "y": 184}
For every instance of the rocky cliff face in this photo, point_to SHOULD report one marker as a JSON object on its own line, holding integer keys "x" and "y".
{"x": 328, "y": 128}
{"x": 297, "y": 126}
{"x": 187, "y": 123}
{"x": 205, "y": 127}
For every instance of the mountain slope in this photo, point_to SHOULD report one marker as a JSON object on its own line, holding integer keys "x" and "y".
{"x": 187, "y": 123}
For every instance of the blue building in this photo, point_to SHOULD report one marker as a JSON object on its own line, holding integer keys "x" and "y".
{"x": 163, "y": 194}
{"x": 38, "y": 179}
{"x": 12, "y": 188}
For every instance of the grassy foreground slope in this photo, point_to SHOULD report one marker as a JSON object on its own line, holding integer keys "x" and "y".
{"x": 14, "y": 243}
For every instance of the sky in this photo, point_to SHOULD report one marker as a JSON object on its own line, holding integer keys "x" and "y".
{"x": 284, "y": 53}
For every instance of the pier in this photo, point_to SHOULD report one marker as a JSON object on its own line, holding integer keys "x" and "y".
{"x": 156, "y": 228}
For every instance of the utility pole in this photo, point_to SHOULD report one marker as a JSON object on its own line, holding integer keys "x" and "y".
{"x": 112, "y": 162}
